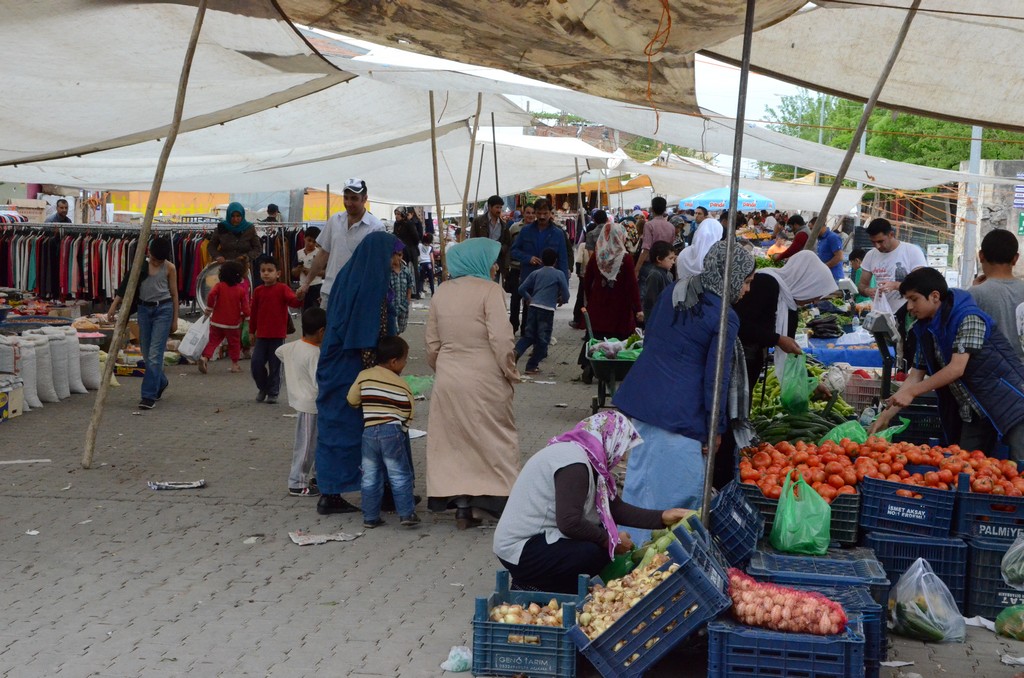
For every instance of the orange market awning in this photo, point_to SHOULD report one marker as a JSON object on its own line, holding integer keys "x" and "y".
{"x": 614, "y": 185}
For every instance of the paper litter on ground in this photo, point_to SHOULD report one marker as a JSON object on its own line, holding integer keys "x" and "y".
{"x": 980, "y": 622}
{"x": 26, "y": 461}
{"x": 415, "y": 433}
{"x": 305, "y": 539}
{"x": 551, "y": 383}
{"x": 895, "y": 665}
{"x": 561, "y": 404}
{"x": 1012, "y": 661}
{"x": 176, "y": 485}
{"x": 293, "y": 415}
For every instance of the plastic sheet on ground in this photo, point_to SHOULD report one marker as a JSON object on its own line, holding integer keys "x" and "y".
{"x": 305, "y": 539}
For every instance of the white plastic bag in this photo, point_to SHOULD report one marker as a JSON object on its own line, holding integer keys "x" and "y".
{"x": 1012, "y": 567}
{"x": 459, "y": 659}
{"x": 921, "y": 607}
{"x": 881, "y": 318}
{"x": 195, "y": 339}
{"x": 858, "y": 338}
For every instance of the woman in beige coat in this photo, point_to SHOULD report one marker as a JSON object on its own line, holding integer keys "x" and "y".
{"x": 472, "y": 445}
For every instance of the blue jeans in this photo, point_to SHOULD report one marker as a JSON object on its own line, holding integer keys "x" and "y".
{"x": 266, "y": 366}
{"x": 154, "y": 328}
{"x": 385, "y": 448}
{"x": 536, "y": 333}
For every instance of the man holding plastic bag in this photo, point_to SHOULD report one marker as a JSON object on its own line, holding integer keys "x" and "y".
{"x": 970, "y": 365}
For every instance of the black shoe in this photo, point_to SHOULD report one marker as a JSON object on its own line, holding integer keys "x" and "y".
{"x": 147, "y": 404}
{"x": 410, "y": 520}
{"x": 464, "y": 518}
{"x": 271, "y": 399}
{"x": 370, "y": 524}
{"x": 310, "y": 491}
{"x": 261, "y": 396}
{"x": 334, "y": 503}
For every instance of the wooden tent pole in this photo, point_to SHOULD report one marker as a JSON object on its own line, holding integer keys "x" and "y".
{"x": 464, "y": 220}
{"x": 833, "y": 191}
{"x": 494, "y": 149}
{"x": 144, "y": 232}
{"x": 437, "y": 190}
{"x": 328, "y": 213}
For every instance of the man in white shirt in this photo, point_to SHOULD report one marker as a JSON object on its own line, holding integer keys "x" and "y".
{"x": 341, "y": 235}
{"x": 889, "y": 262}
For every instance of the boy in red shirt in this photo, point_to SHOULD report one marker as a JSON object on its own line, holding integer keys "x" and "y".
{"x": 269, "y": 327}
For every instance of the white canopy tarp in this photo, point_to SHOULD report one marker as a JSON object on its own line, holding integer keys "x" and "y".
{"x": 597, "y": 46}
{"x": 681, "y": 179}
{"x": 708, "y": 133}
{"x": 960, "y": 60}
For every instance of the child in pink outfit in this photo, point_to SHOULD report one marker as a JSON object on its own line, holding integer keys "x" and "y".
{"x": 227, "y": 306}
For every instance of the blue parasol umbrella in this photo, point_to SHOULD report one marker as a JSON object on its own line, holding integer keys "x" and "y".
{"x": 718, "y": 199}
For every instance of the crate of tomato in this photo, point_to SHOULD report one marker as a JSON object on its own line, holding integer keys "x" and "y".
{"x": 827, "y": 469}
{"x": 905, "y": 488}
{"x": 990, "y": 498}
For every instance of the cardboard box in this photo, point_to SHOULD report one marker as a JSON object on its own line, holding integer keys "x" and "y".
{"x": 940, "y": 261}
{"x": 4, "y": 407}
{"x": 66, "y": 311}
{"x": 133, "y": 331}
{"x": 937, "y": 250}
{"x": 16, "y": 402}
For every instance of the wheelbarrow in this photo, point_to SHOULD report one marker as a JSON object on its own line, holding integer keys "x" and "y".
{"x": 607, "y": 372}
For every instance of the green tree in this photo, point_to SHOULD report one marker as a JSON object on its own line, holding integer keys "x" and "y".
{"x": 896, "y": 136}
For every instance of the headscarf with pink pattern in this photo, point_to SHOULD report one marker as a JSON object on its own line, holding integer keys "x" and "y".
{"x": 606, "y": 437}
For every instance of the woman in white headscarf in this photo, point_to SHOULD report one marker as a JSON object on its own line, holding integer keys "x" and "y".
{"x": 768, "y": 313}
{"x": 691, "y": 260}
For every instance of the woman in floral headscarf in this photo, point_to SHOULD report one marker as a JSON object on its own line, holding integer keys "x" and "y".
{"x": 668, "y": 391}
{"x": 611, "y": 290}
{"x": 561, "y": 517}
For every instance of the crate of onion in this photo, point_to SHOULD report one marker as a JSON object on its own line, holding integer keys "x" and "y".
{"x": 525, "y": 632}
{"x": 630, "y": 624}
{"x": 828, "y": 469}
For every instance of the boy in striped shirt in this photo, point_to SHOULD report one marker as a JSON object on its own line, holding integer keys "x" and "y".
{"x": 387, "y": 404}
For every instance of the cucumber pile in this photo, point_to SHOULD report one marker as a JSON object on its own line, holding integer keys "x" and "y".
{"x": 771, "y": 404}
{"x": 809, "y": 427}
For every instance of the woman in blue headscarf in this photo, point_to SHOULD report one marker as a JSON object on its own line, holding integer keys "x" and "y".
{"x": 235, "y": 237}
{"x": 360, "y": 313}
{"x": 472, "y": 444}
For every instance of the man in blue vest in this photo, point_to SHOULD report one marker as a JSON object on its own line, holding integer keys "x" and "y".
{"x": 967, "y": 361}
{"x": 534, "y": 238}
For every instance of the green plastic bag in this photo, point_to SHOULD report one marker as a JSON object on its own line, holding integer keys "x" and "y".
{"x": 619, "y": 567}
{"x": 802, "y": 521}
{"x": 1010, "y": 622}
{"x": 419, "y": 385}
{"x": 246, "y": 337}
{"x": 796, "y": 385}
{"x": 858, "y": 434}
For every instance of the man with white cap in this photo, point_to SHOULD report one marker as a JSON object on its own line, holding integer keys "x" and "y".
{"x": 339, "y": 238}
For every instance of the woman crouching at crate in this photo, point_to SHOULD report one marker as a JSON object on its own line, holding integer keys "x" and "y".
{"x": 560, "y": 520}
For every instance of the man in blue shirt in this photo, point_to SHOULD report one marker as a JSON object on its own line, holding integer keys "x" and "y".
{"x": 830, "y": 250}
{"x": 537, "y": 237}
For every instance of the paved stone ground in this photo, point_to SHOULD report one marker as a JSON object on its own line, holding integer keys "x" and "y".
{"x": 125, "y": 581}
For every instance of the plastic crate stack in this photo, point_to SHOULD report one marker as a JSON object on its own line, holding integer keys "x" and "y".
{"x": 683, "y": 603}
{"x": 947, "y": 557}
{"x": 990, "y": 524}
{"x": 736, "y": 525}
{"x": 524, "y": 649}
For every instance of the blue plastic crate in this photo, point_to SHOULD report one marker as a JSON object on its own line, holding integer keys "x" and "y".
{"x": 948, "y": 558}
{"x": 736, "y": 650}
{"x": 987, "y": 593}
{"x": 845, "y": 513}
{"x": 524, "y": 649}
{"x": 988, "y": 516}
{"x": 684, "y": 602}
{"x": 857, "y": 600}
{"x": 882, "y": 510}
{"x": 735, "y": 524}
{"x": 821, "y": 572}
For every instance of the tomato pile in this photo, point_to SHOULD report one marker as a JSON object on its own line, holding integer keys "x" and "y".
{"x": 827, "y": 469}
{"x": 836, "y": 468}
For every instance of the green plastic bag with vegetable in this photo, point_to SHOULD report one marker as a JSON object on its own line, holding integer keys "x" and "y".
{"x": 802, "y": 521}
{"x": 1012, "y": 565}
{"x": 620, "y": 566}
{"x": 921, "y": 607}
{"x": 1010, "y": 622}
{"x": 797, "y": 387}
{"x": 858, "y": 434}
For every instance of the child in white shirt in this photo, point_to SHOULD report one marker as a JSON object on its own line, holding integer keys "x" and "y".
{"x": 300, "y": 359}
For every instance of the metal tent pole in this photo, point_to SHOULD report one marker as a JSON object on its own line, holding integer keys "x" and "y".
{"x": 469, "y": 170}
{"x": 437, "y": 189}
{"x": 144, "y": 232}
{"x": 833, "y": 191}
{"x": 968, "y": 261}
{"x": 730, "y": 244}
